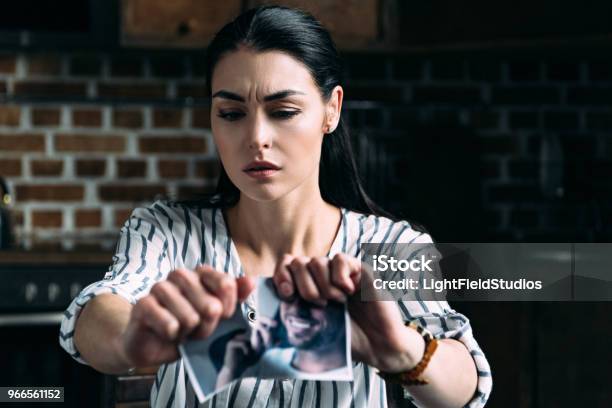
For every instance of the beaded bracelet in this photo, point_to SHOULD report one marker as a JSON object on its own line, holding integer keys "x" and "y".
{"x": 412, "y": 376}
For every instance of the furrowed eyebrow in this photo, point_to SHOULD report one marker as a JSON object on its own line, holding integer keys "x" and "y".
{"x": 277, "y": 95}
{"x": 228, "y": 95}
{"x": 281, "y": 95}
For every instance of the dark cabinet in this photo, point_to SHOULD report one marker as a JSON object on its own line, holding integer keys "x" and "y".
{"x": 177, "y": 23}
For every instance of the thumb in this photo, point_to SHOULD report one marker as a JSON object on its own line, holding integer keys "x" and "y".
{"x": 246, "y": 284}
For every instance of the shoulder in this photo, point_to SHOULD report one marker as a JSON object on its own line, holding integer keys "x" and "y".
{"x": 381, "y": 229}
{"x": 168, "y": 213}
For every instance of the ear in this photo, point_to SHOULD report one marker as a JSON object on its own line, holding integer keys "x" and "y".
{"x": 333, "y": 110}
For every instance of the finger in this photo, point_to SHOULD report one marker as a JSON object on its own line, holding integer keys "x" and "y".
{"x": 267, "y": 321}
{"x": 356, "y": 271}
{"x": 241, "y": 341}
{"x": 245, "y": 286}
{"x": 170, "y": 297}
{"x": 221, "y": 285}
{"x": 282, "y": 277}
{"x": 160, "y": 322}
{"x": 239, "y": 345}
{"x": 266, "y": 337}
{"x": 256, "y": 341}
{"x": 156, "y": 317}
{"x": 261, "y": 338}
{"x": 190, "y": 286}
{"x": 320, "y": 271}
{"x": 211, "y": 313}
{"x": 341, "y": 273}
{"x": 304, "y": 281}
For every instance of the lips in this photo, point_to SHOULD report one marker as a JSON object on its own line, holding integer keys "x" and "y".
{"x": 260, "y": 165}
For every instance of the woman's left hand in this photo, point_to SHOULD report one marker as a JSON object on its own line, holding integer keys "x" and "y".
{"x": 378, "y": 335}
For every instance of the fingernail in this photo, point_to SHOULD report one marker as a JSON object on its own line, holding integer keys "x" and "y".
{"x": 286, "y": 289}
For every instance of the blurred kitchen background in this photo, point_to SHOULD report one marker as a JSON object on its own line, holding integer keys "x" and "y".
{"x": 485, "y": 122}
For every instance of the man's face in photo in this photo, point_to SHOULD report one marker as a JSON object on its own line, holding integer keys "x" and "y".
{"x": 308, "y": 325}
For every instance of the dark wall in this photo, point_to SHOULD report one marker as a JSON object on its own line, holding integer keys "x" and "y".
{"x": 501, "y": 146}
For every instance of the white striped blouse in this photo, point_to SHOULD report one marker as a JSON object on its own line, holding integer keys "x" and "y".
{"x": 167, "y": 235}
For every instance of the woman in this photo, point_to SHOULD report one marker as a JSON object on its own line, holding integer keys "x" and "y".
{"x": 290, "y": 196}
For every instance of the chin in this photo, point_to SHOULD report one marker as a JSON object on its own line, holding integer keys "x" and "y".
{"x": 262, "y": 194}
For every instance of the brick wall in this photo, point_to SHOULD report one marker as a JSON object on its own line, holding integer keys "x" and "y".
{"x": 536, "y": 115}
{"x": 86, "y": 137}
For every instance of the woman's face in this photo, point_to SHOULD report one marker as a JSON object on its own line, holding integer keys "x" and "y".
{"x": 266, "y": 107}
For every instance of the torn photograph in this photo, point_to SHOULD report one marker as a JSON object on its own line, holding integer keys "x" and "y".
{"x": 288, "y": 338}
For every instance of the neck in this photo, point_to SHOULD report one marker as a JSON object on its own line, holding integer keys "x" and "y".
{"x": 299, "y": 225}
{"x": 316, "y": 361}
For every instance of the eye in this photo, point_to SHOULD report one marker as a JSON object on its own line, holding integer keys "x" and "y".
{"x": 285, "y": 114}
{"x": 230, "y": 116}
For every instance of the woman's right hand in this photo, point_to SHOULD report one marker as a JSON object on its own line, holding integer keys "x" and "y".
{"x": 188, "y": 303}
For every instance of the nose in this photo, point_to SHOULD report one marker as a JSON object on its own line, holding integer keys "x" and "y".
{"x": 260, "y": 134}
